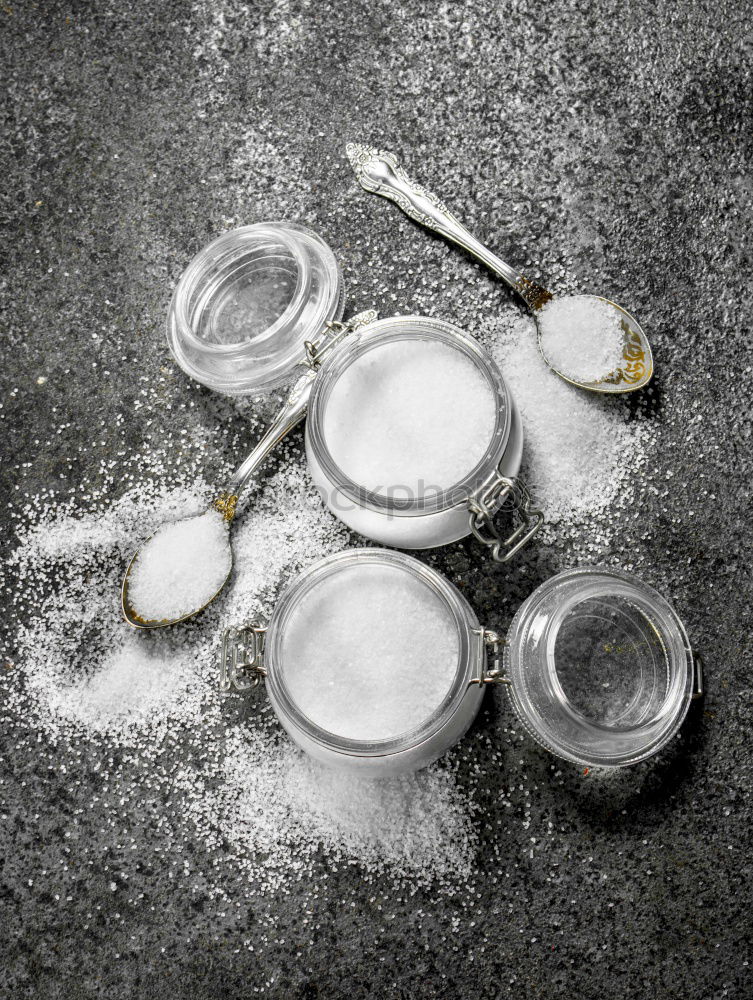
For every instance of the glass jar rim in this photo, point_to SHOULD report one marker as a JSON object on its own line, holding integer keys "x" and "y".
{"x": 393, "y": 329}
{"x": 270, "y": 359}
{"x": 639, "y": 741}
{"x": 206, "y": 258}
{"x": 470, "y": 651}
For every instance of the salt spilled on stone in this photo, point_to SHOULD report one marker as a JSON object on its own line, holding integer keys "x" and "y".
{"x": 181, "y": 567}
{"x": 409, "y": 418}
{"x": 275, "y": 809}
{"x": 369, "y": 652}
{"x": 580, "y": 451}
{"x": 581, "y": 336}
{"x": 243, "y": 792}
{"x": 131, "y": 684}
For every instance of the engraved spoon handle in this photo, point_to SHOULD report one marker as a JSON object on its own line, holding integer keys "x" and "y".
{"x": 293, "y": 409}
{"x": 379, "y": 173}
{"x": 291, "y": 413}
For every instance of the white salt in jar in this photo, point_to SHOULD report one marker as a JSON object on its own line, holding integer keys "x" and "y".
{"x": 375, "y": 663}
{"x": 414, "y": 439}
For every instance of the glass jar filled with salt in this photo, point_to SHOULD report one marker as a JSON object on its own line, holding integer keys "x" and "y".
{"x": 412, "y": 437}
{"x": 373, "y": 662}
{"x": 376, "y": 663}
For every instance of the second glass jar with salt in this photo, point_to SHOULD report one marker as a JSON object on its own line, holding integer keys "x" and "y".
{"x": 376, "y": 663}
{"x": 413, "y": 437}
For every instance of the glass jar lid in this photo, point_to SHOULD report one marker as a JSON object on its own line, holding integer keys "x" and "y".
{"x": 409, "y": 416}
{"x": 370, "y": 652}
{"x": 246, "y": 304}
{"x": 599, "y": 666}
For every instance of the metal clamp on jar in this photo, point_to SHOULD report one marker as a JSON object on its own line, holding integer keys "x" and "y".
{"x": 376, "y": 663}
{"x": 262, "y": 304}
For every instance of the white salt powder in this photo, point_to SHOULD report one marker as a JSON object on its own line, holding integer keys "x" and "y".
{"x": 410, "y": 417}
{"x": 86, "y": 683}
{"x": 581, "y": 336}
{"x": 131, "y": 683}
{"x": 581, "y": 451}
{"x": 181, "y": 567}
{"x": 369, "y": 653}
{"x": 274, "y": 808}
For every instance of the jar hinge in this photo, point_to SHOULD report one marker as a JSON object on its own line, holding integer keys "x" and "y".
{"x": 242, "y": 659}
{"x": 698, "y": 665}
{"x": 483, "y": 508}
{"x": 494, "y": 645}
{"x": 333, "y": 333}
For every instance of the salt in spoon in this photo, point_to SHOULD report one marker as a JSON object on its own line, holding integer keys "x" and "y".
{"x": 379, "y": 173}
{"x": 291, "y": 413}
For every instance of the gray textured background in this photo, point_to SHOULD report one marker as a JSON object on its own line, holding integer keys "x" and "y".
{"x": 607, "y": 143}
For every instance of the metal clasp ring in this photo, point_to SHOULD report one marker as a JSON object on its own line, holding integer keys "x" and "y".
{"x": 493, "y": 644}
{"x": 242, "y": 658}
{"x": 317, "y": 350}
{"x": 483, "y": 508}
{"x": 698, "y": 688}
{"x": 333, "y": 333}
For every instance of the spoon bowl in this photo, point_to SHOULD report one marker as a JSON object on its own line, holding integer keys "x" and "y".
{"x": 129, "y": 612}
{"x": 636, "y": 366}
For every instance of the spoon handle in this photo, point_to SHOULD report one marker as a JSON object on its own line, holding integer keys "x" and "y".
{"x": 293, "y": 409}
{"x": 380, "y": 173}
{"x": 291, "y": 413}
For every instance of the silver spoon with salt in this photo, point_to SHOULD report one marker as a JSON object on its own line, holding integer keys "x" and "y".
{"x": 198, "y": 555}
{"x": 379, "y": 173}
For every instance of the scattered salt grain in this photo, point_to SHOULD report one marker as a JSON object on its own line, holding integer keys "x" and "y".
{"x": 132, "y": 683}
{"x": 580, "y": 451}
{"x": 274, "y": 808}
{"x": 181, "y": 567}
{"x": 241, "y": 795}
{"x": 84, "y": 668}
{"x": 581, "y": 336}
{"x": 369, "y": 652}
{"x": 412, "y": 415}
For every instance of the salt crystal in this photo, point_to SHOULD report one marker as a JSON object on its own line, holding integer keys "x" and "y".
{"x": 581, "y": 336}
{"x": 580, "y": 450}
{"x": 369, "y": 652}
{"x": 243, "y": 792}
{"x": 410, "y": 416}
{"x": 181, "y": 567}
{"x": 274, "y": 809}
{"x": 131, "y": 683}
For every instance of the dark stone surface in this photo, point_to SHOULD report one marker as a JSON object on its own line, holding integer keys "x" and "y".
{"x": 610, "y": 144}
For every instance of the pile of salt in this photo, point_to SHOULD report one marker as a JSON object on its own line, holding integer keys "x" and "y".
{"x": 88, "y": 681}
{"x": 181, "y": 567}
{"x": 581, "y": 452}
{"x": 409, "y": 417}
{"x": 581, "y": 336}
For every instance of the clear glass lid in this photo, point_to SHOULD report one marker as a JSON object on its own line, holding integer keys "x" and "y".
{"x": 600, "y": 667}
{"x": 246, "y": 304}
{"x": 409, "y": 415}
{"x": 370, "y": 651}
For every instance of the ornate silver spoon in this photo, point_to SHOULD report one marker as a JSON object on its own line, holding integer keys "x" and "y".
{"x": 291, "y": 413}
{"x": 380, "y": 173}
